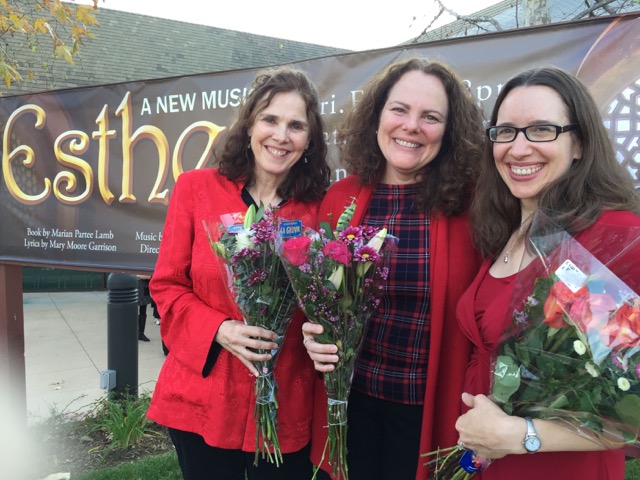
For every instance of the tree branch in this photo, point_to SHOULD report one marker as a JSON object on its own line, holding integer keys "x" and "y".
{"x": 472, "y": 19}
{"x": 601, "y": 4}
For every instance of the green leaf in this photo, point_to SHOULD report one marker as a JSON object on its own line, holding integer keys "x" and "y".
{"x": 346, "y": 216}
{"x": 628, "y": 409}
{"x": 327, "y": 230}
{"x": 506, "y": 378}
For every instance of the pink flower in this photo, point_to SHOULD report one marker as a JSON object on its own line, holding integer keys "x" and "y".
{"x": 351, "y": 234}
{"x": 366, "y": 254}
{"x": 295, "y": 250}
{"x": 338, "y": 251}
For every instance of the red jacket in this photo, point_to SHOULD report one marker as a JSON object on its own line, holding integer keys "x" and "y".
{"x": 188, "y": 288}
{"x": 454, "y": 263}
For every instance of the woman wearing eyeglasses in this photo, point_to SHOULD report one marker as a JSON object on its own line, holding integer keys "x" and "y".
{"x": 547, "y": 149}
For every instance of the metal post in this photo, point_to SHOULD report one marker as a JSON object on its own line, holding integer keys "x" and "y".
{"x": 122, "y": 332}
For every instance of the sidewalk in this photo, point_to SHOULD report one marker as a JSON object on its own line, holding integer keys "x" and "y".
{"x": 66, "y": 349}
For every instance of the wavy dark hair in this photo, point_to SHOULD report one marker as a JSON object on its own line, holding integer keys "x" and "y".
{"x": 446, "y": 180}
{"x": 308, "y": 180}
{"x": 593, "y": 183}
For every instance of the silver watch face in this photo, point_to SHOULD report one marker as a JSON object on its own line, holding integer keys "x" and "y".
{"x": 532, "y": 444}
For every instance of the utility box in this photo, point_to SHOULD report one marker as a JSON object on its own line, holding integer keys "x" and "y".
{"x": 108, "y": 380}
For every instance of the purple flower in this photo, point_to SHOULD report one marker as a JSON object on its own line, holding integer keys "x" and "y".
{"x": 256, "y": 276}
{"x": 638, "y": 370}
{"x": 245, "y": 253}
{"x": 519, "y": 317}
{"x": 351, "y": 235}
{"x": 263, "y": 231}
{"x": 365, "y": 254}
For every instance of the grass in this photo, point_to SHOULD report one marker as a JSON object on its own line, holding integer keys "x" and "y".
{"x": 158, "y": 467}
{"x": 165, "y": 467}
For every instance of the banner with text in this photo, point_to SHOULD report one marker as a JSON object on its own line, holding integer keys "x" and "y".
{"x": 87, "y": 173}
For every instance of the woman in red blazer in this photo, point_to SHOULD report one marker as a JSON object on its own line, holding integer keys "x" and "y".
{"x": 548, "y": 150}
{"x": 412, "y": 144}
{"x": 274, "y": 154}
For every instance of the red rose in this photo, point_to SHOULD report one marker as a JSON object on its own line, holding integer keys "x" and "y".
{"x": 295, "y": 250}
{"x": 337, "y": 251}
{"x": 559, "y": 302}
{"x": 625, "y": 330}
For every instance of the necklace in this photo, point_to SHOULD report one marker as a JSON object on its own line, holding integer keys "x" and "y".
{"x": 517, "y": 239}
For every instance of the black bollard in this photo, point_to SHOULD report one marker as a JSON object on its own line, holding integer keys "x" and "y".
{"x": 122, "y": 332}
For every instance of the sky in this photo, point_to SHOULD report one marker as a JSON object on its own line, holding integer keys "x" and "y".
{"x": 351, "y": 24}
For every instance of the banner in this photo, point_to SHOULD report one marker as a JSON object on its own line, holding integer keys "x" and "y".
{"x": 87, "y": 173}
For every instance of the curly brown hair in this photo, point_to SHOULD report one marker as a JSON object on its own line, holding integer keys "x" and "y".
{"x": 306, "y": 181}
{"x": 446, "y": 180}
{"x": 575, "y": 200}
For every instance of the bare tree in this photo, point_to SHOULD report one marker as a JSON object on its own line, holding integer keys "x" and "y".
{"x": 525, "y": 13}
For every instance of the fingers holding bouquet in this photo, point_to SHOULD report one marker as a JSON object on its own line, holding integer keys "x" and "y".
{"x": 324, "y": 355}
{"x": 243, "y": 342}
{"x": 488, "y": 430}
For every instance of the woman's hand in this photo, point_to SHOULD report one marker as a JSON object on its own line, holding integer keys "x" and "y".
{"x": 489, "y": 431}
{"x": 242, "y": 341}
{"x": 324, "y": 355}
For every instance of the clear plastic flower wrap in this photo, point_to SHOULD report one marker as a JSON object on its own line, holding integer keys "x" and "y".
{"x": 571, "y": 352}
{"x": 339, "y": 277}
{"x": 260, "y": 288}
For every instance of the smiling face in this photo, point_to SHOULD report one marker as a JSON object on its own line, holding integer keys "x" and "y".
{"x": 279, "y": 137}
{"x": 412, "y": 125}
{"x": 528, "y": 167}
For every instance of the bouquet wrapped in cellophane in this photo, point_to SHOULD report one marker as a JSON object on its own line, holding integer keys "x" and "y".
{"x": 339, "y": 277}
{"x": 260, "y": 288}
{"x": 572, "y": 351}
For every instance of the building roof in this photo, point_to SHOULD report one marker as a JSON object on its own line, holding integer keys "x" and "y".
{"x": 509, "y": 14}
{"x": 128, "y": 47}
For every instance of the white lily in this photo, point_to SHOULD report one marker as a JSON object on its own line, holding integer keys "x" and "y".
{"x": 337, "y": 276}
{"x": 249, "y": 217}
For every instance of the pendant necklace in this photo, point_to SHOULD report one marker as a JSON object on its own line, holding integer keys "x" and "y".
{"x": 505, "y": 258}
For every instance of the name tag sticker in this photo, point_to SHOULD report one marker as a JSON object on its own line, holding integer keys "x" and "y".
{"x": 290, "y": 228}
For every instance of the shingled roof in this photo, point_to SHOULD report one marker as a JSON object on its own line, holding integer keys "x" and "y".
{"x": 509, "y": 14}
{"x": 130, "y": 47}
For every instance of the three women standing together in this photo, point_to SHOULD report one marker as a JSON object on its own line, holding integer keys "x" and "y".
{"x": 414, "y": 148}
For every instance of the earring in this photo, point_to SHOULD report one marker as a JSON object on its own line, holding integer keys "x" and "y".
{"x": 305, "y": 160}
{"x": 249, "y": 144}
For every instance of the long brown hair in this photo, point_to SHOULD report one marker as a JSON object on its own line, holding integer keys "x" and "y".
{"x": 594, "y": 183}
{"x": 446, "y": 181}
{"x": 308, "y": 179}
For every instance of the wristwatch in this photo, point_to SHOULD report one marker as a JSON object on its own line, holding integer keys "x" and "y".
{"x": 531, "y": 440}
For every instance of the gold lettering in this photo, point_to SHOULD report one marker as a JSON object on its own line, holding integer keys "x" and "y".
{"x": 203, "y": 126}
{"x": 78, "y": 144}
{"x": 29, "y": 156}
{"x": 103, "y": 135}
{"x": 129, "y": 140}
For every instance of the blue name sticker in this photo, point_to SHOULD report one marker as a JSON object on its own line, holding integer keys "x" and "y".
{"x": 290, "y": 228}
{"x": 238, "y": 227}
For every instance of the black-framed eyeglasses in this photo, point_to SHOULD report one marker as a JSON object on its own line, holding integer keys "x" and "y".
{"x": 534, "y": 133}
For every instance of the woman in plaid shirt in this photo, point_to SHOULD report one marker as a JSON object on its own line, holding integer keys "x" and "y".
{"x": 411, "y": 144}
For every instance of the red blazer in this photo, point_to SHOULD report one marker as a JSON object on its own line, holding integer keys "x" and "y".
{"x": 188, "y": 287}
{"x": 612, "y": 233}
{"x": 454, "y": 263}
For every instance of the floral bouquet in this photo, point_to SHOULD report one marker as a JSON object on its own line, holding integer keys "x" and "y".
{"x": 261, "y": 289}
{"x": 572, "y": 350}
{"x": 339, "y": 279}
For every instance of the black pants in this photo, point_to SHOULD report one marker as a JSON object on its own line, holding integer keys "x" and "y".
{"x": 383, "y": 438}
{"x": 199, "y": 461}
